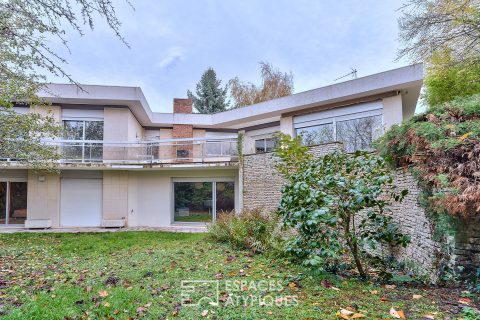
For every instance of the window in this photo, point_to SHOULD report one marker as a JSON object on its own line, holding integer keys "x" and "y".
{"x": 264, "y": 145}
{"x": 221, "y": 148}
{"x": 358, "y": 134}
{"x": 201, "y": 201}
{"x": 355, "y": 133}
{"x": 13, "y": 202}
{"x": 314, "y": 135}
{"x": 81, "y": 130}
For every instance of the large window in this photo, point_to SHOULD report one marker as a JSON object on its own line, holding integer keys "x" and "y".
{"x": 264, "y": 145}
{"x": 355, "y": 133}
{"x": 318, "y": 134}
{"x": 358, "y": 134}
{"x": 83, "y": 131}
{"x": 13, "y": 202}
{"x": 201, "y": 201}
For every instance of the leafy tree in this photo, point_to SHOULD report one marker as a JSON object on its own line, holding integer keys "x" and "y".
{"x": 447, "y": 80}
{"x": 429, "y": 25}
{"x": 21, "y": 138}
{"x": 337, "y": 203}
{"x": 27, "y": 57}
{"x": 210, "y": 96}
{"x": 275, "y": 84}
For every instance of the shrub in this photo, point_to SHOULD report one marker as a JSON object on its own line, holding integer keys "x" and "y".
{"x": 337, "y": 203}
{"x": 252, "y": 229}
{"x": 442, "y": 145}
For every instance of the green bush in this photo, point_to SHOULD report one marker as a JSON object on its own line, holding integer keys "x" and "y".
{"x": 252, "y": 230}
{"x": 337, "y": 203}
{"x": 442, "y": 146}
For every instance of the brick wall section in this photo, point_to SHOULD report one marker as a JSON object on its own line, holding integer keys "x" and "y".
{"x": 182, "y": 105}
{"x": 262, "y": 185}
{"x": 261, "y": 182}
{"x": 182, "y": 131}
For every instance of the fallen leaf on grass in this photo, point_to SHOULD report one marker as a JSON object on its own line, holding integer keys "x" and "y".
{"x": 429, "y": 316}
{"x": 204, "y": 313}
{"x": 374, "y": 291}
{"x": 348, "y": 314}
{"x": 397, "y": 314}
{"x": 103, "y": 293}
{"x": 417, "y": 296}
{"x": 176, "y": 309}
{"x": 326, "y": 284}
{"x": 390, "y": 286}
{"x": 465, "y": 301}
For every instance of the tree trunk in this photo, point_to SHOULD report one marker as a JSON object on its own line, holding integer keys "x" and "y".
{"x": 352, "y": 244}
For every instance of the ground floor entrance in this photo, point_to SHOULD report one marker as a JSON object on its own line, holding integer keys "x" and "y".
{"x": 13, "y": 201}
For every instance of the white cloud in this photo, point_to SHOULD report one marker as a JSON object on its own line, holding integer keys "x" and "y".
{"x": 173, "y": 56}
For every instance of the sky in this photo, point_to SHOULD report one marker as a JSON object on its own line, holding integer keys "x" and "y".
{"x": 173, "y": 42}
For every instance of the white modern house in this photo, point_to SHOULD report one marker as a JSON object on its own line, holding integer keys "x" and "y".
{"x": 124, "y": 165}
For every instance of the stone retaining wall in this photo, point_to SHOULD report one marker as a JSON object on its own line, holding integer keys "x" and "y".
{"x": 262, "y": 185}
{"x": 261, "y": 182}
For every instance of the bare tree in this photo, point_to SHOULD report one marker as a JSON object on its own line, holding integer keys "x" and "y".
{"x": 275, "y": 84}
{"x": 26, "y": 56}
{"x": 431, "y": 25}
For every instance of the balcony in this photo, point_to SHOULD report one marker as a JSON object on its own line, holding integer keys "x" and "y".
{"x": 170, "y": 151}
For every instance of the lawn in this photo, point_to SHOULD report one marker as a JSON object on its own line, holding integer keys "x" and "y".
{"x": 132, "y": 275}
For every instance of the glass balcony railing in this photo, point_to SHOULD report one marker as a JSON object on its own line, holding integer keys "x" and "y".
{"x": 146, "y": 151}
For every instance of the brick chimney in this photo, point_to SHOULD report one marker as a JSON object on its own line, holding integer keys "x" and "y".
{"x": 183, "y": 131}
{"x": 182, "y": 105}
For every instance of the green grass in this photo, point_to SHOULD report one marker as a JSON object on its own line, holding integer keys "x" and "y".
{"x": 136, "y": 275}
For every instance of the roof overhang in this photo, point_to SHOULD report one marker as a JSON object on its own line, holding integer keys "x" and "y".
{"x": 406, "y": 81}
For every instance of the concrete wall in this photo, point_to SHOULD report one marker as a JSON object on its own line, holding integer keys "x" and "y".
{"x": 120, "y": 125}
{"x": 43, "y": 197}
{"x": 150, "y": 196}
{"x": 143, "y": 198}
{"x": 392, "y": 111}
{"x": 115, "y": 195}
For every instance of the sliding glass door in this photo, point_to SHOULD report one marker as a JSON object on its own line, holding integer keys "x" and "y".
{"x": 202, "y": 201}
{"x": 3, "y": 203}
{"x": 13, "y": 202}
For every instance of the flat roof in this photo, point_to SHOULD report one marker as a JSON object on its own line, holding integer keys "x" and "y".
{"x": 405, "y": 81}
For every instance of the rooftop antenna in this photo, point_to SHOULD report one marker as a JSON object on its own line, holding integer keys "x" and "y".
{"x": 352, "y": 73}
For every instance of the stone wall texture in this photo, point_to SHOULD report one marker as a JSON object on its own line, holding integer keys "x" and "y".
{"x": 261, "y": 182}
{"x": 261, "y": 189}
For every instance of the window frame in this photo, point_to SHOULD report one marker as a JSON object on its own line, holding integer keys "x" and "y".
{"x": 214, "y": 193}
{"x": 264, "y": 144}
{"x": 7, "y": 198}
{"x": 339, "y": 115}
{"x": 84, "y": 143}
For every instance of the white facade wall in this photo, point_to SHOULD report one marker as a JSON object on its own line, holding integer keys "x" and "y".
{"x": 150, "y": 194}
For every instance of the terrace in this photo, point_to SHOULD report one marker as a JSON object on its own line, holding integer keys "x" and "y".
{"x": 150, "y": 152}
